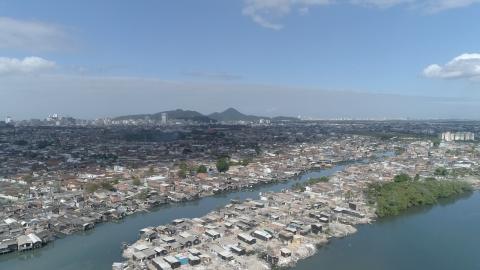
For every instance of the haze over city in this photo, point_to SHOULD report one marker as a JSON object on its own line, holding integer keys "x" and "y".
{"x": 239, "y": 134}
{"x": 315, "y": 59}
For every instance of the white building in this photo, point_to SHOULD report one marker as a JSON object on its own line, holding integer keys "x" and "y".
{"x": 164, "y": 118}
{"x": 457, "y": 136}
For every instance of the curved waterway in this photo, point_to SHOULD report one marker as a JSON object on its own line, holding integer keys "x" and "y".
{"x": 99, "y": 248}
{"x": 443, "y": 237}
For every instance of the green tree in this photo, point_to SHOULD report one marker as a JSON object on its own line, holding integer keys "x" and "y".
{"x": 403, "y": 177}
{"x": 441, "y": 171}
{"x": 348, "y": 195}
{"x": 182, "y": 173}
{"x": 106, "y": 185}
{"x": 298, "y": 187}
{"x": 183, "y": 166}
{"x": 258, "y": 150}
{"x": 28, "y": 178}
{"x": 91, "y": 187}
{"x": 436, "y": 142}
{"x": 136, "y": 181}
{"x": 202, "y": 169}
{"x": 245, "y": 161}
{"x": 223, "y": 165}
{"x": 143, "y": 195}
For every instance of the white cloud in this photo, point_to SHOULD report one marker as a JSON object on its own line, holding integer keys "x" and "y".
{"x": 30, "y": 35}
{"x": 267, "y": 12}
{"x": 464, "y": 66}
{"x": 31, "y": 64}
{"x": 427, "y": 5}
{"x": 441, "y": 5}
{"x": 381, "y": 3}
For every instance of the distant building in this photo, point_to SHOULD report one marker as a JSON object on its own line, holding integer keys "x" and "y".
{"x": 8, "y": 120}
{"x": 53, "y": 117}
{"x": 264, "y": 121}
{"x": 457, "y": 136}
{"x": 164, "y": 118}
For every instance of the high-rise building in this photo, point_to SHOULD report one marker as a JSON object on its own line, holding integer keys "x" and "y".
{"x": 8, "y": 120}
{"x": 53, "y": 117}
{"x": 457, "y": 136}
{"x": 164, "y": 118}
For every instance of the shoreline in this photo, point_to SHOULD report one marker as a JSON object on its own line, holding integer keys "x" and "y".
{"x": 307, "y": 246}
{"x": 168, "y": 202}
{"x": 413, "y": 211}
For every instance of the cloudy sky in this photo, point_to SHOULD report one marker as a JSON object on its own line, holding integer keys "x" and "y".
{"x": 314, "y": 58}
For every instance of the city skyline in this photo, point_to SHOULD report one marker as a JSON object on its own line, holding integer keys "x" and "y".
{"x": 240, "y": 134}
{"x": 363, "y": 58}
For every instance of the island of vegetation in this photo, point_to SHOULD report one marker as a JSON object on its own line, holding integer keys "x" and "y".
{"x": 405, "y": 192}
{"x": 309, "y": 182}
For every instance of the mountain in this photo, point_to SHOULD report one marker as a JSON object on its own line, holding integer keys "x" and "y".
{"x": 185, "y": 115}
{"x": 179, "y": 114}
{"x": 231, "y": 114}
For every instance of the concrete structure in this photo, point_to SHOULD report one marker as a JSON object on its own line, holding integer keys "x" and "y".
{"x": 457, "y": 136}
{"x": 164, "y": 118}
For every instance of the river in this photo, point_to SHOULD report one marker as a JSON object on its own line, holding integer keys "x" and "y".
{"x": 443, "y": 237}
{"x": 99, "y": 248}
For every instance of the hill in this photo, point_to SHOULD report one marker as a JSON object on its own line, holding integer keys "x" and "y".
{"x": 232, "y": 114}
{"x": 229, "y": 115}
{"x": 179, "y": 114}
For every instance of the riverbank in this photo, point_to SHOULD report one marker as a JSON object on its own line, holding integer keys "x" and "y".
{"x": 83, "y": 201}
{"x": 97, "y": 249}
{"x": 444, "y": 236}
{"x": 278, "y": 230}
{"x": 275, "y": 231}
{"x": 278, "y": 238}
{"x": 36, "y": 240}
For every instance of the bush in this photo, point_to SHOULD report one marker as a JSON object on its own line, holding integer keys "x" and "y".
{"x": 402, "y": 178}
{"x": 245, "y": 162}
{"x": 223, "y": 165}
{"x": 91, "y": 187}
{"x": 107, "y": 185}
{"x": 441, "y": 171}
{"x": 136, "y": 181}
{"x": 202, "y": 169}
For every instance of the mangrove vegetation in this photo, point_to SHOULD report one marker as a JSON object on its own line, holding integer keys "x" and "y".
{"x": 405, "y": 192}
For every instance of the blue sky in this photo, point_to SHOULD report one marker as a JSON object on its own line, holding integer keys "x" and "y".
{"x": 211, "y": 48}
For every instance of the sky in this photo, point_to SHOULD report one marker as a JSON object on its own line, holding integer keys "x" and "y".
{"x": 309, "y": 58}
